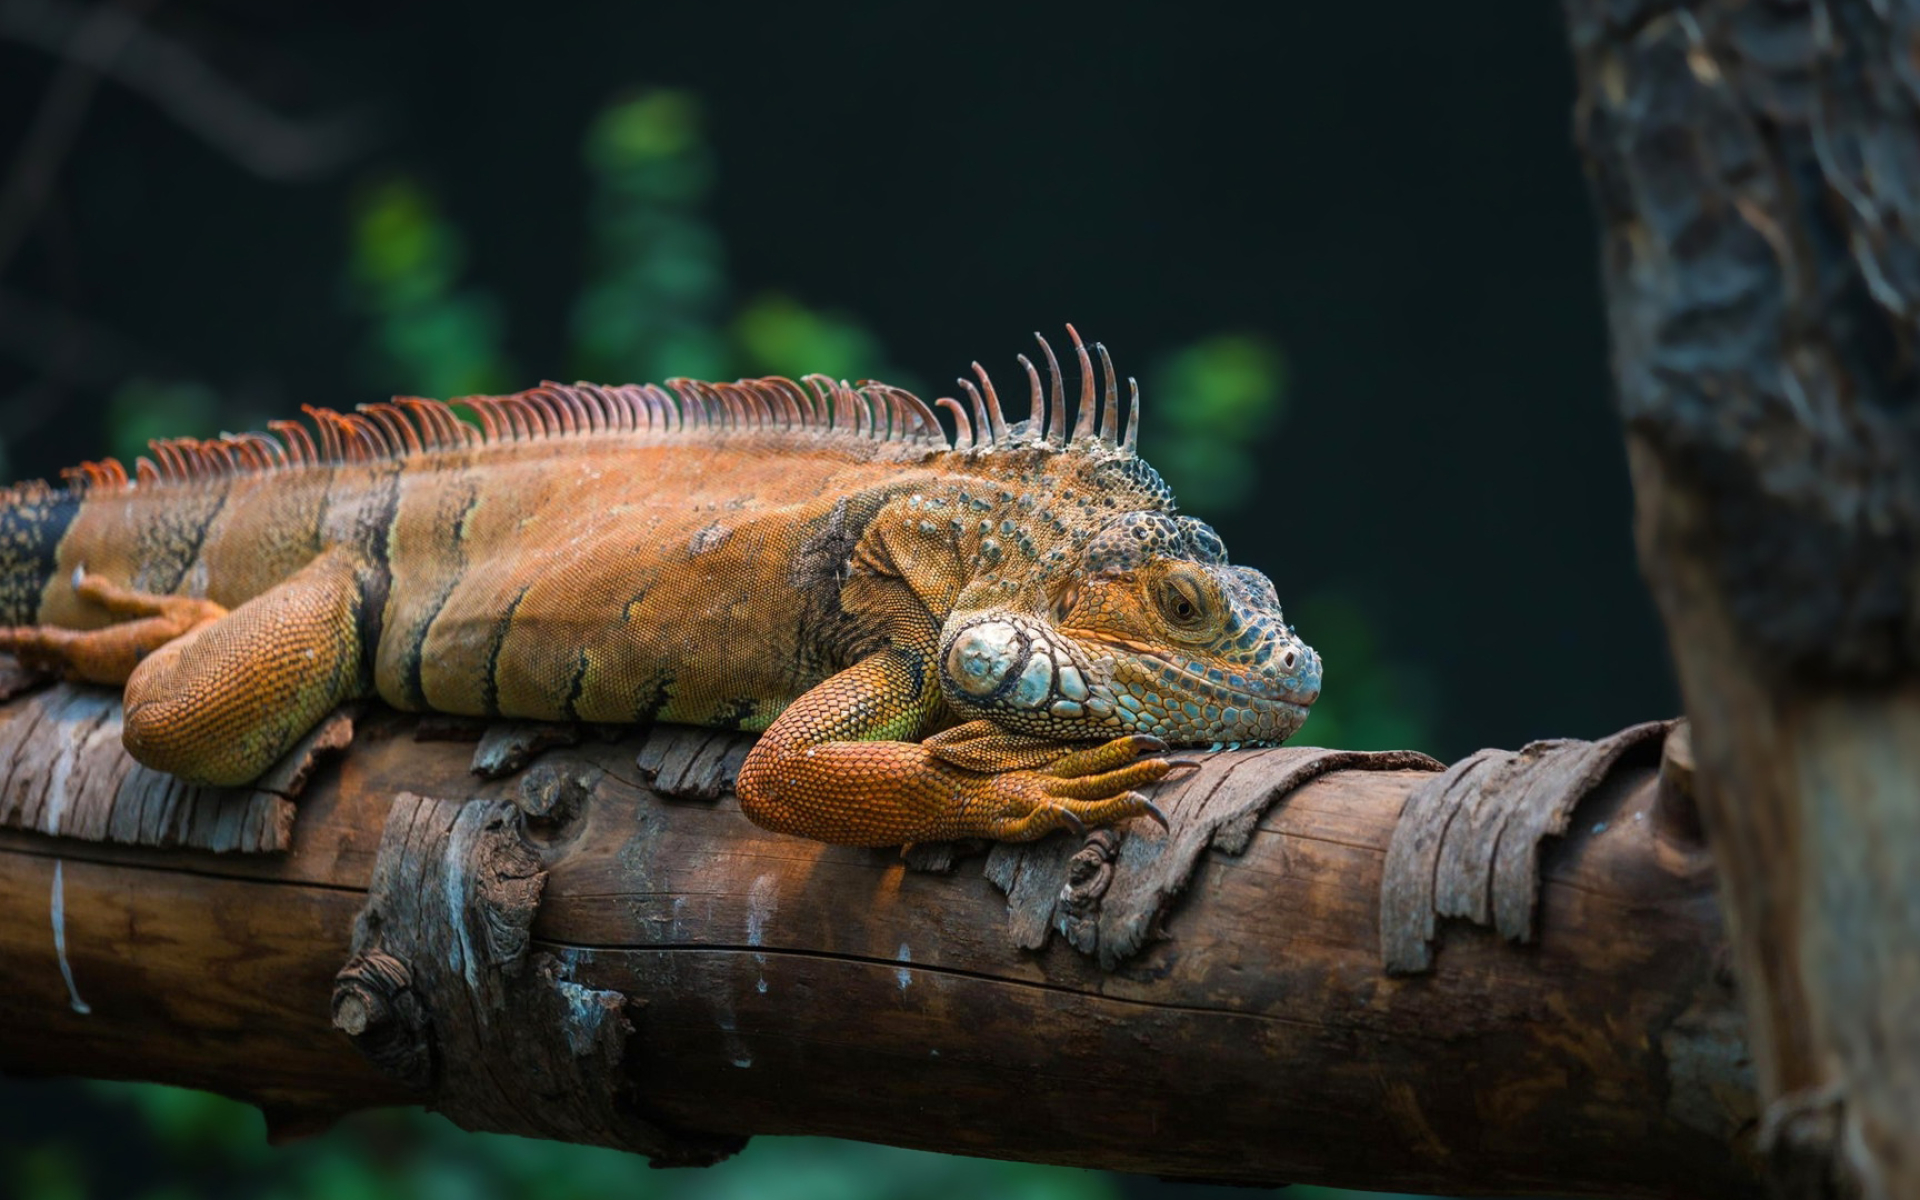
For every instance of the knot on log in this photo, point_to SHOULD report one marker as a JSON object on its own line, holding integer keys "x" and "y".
{"x": 552, "y": 796}
{"x": 1468, "y": 841}
{"x": 446, "y": 993}
{"x": 375, "y": 1005}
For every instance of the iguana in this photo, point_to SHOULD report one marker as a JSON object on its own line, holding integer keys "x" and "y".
{"x": 975, "y": 638}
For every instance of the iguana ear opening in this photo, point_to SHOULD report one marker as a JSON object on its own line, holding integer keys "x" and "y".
{"x": 1063, "y": 604}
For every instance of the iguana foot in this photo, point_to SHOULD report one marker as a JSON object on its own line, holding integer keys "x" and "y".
{"x": 109, "y": 655}
{"x": 1085, "y": 789}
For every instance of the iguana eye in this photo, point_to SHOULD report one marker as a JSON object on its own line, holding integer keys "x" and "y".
{"x": 1183, "y": 601}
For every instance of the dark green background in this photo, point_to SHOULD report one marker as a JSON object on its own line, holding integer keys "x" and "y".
{"x": 1376, "y": 206}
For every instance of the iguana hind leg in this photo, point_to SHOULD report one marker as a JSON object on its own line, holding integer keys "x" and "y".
{"x": 820, "y": 770}
{"x": 109, "y": 655}
{"x": 226, "y": 700}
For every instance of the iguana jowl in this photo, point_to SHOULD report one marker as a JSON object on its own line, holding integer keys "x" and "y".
{"x": 924, "y": 630}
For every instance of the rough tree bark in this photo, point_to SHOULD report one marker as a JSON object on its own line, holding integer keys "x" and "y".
{"x": 1504, "y": 977}
{"x": 1756, "y": 167}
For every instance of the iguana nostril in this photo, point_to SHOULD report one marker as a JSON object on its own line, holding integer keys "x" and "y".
{"x": 1289, "y": 659}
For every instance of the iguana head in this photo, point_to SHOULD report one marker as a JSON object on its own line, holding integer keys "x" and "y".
{"x": 1155, "y": 633}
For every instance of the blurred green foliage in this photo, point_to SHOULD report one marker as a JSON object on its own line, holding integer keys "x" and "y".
{"x": 656, "y": 286}
{"x": 1207, "y": 411}
{"x": 143, "y": 410}
{"x": 215, "y": 1148}
{"x": 404, "y": 267}
{"x": 1371, "y": 702}
{"x": 655, "y": 304}
{"x": 777, "y": 335}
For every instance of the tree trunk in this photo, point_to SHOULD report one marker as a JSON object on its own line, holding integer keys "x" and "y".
{"x": 1757, "y": 173}
{"x": 566, "y": 954}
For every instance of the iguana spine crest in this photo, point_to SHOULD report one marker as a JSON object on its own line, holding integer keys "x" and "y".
{"x": 409, "y": 426}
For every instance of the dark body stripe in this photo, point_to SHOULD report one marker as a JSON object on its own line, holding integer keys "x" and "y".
{"x": 490, "y": 679}
{"x": 168, "y": 542}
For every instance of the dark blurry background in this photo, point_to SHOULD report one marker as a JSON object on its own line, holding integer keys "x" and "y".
{"x": 1345, "y": 246}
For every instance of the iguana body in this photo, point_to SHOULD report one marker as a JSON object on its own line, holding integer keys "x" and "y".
{"x": 927, "y": 630}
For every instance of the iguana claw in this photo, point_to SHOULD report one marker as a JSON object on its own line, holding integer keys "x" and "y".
{"x": 1152, "y": 811}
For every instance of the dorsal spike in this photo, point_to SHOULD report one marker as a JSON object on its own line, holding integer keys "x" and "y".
{"x": 658, "y": 405}
{"x": 763, "y": 412}
{"x": 588, "y": 410}
{"x": 996, "y": 419}
{"x": 1110, "y": 411}
{"x": 719, "y": 407}
{"x": 1133, "y": 416}
{"x": 491, "y": 426}
{"x": 847, "y": 409}
{"x": 721, "y": 412}
{"x": 271, "y": 452}
{"x": 896, "y": 430}
{"x": 962, "y": 426}
{"x": 167, "y": 456}
{"x": 244, "y": 454}
{"x": 1056, "y": 430}
{"x": 626, "y": 410}
{"x": 982, "y": 432}
{"x": 862, "y": 414}
{"x": 188, "y": 458}
{"x": 329, "y": 436}
{"x": 367, "y": 440}
{"x": 603, "y": 407}
{"x": 1036, "y": 404}
{"x": 633, "y": 411}
{"x": 553, "y": 415}
{"x": 912, "y": 419}
{"x": 1083, "y": 419}
{"x": 693, "y": 414}
{"x": 793, "y": 400}
{"x": 739, "y": 413}
{"x": 298, "y": 441}
{"x": 394, "y": 426}
{"x": 658, "y": 410}
{"x": 790, "y": 397}
{"x": 823, "y": 400}
{"x": 511, "y": 413}
{"x": 144, "y": 472}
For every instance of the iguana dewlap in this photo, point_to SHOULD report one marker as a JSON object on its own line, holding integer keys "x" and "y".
{"x": 940, "y": 641}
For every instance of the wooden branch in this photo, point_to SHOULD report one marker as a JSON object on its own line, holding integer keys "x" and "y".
{"x": 565, "y": 953}
{"x": 1755, "y": 172}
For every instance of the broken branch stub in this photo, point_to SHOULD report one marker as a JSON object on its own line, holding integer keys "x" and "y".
{"x": 442, "y": 993}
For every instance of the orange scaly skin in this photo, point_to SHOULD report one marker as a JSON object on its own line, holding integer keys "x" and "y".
{"x": 940, "y": 641}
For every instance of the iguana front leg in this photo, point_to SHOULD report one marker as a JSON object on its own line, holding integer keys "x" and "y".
{"x": 834, "y": 767}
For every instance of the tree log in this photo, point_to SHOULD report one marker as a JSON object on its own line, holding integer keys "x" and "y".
{"x": 567, "y": 953}
{"x": 1757, "y": 172}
